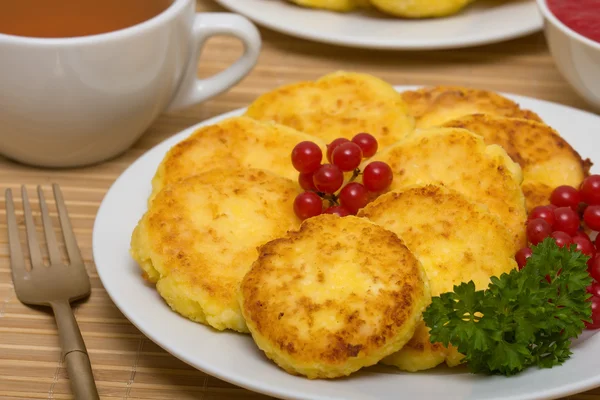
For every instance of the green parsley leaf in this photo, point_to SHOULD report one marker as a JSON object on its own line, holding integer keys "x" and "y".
{"x": 523, "y": 318}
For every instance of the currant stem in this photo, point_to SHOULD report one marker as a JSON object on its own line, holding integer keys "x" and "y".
{"x": 331, "y": 198}
{"x": 355, "y": 174}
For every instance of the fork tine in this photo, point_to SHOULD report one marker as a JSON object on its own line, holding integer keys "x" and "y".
{"x": 70, "y": 241}
{"x": 34, "y": 247}
{"x": 17, "y": 262}
{"x": 53, "y": 251}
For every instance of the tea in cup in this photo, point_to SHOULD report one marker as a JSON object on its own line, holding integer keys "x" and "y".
{"x": 81, "y": 80}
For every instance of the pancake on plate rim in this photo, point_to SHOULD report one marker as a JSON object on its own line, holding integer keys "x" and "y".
{"x": 200, "y": 236}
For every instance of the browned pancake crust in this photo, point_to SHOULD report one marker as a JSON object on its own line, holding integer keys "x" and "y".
{"x": 237, "y": 142}
{"x": 337, "y": 295}
{"x": 456, "y": 240}
{"x": 536, "y": 147}
{"x": 340, "y": 104}
{"x": 433, "y": 106}
{"x": 460, "y": 160}
{"x": 200, "y": 235}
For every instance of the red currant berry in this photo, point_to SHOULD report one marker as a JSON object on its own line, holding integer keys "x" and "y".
{"x": 354, "y": 196}
{"x": 307, "y": 205}
{"x": 590, "y": 190}
{"x": 584, "y": 245}
{"x": 544, "y": 212}
{"x": 306, "y": 181}
{"x": 594, "y": 289}
{"x": 367, "y": 143}
{"x": 538, "y": 230}
{"x": 333, "y": 145}
{"x": 591, "y": 217}
{"x": 565, "y": 196}
{"x": 582, "y": 234}
{"x": 306, "y": 157}
{"x": 328, "y": 178}
{"x": 347, "y": 156}
{"x": 338, "y": 210}
{"x": 594, "y": 267}
{"x": 522, "y": 256}
{"x": 377, "y": 176}
{"x": 566, "y": 220}
{"x": 562, "y": 239}
{"x": 595, "y": 324}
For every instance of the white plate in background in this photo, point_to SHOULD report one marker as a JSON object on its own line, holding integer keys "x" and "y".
{"x": 483, "y": 22}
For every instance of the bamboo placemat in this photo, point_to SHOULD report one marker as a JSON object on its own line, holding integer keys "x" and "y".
{"x": 125, "y": 363}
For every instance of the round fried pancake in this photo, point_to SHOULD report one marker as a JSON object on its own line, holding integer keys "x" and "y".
{"x": 337, "y": 295}
{"x": 433, "y": 106}
{"x": 340, "y": 104}
{"x": 420, "y": 8}
{"x": 334, "y": 5}
{"x": 200, "y": 236}
{"x": 233, "y": 143}
{"x": 547, "y": 160}
{"x": 455, "y": 239}
{"x": 460, "y": 160}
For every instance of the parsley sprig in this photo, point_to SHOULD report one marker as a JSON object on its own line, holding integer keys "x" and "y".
{"x": 521, "y": 319}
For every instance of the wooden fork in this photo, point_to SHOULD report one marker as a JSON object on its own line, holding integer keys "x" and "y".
{"x": 56, "y": 285}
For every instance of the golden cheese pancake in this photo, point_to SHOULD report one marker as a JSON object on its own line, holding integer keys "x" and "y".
{"x": 340, "y": 104}
{"x": 459, "y": 159}
{"x": 200, "y": 235}
{"x": 421, "y": 8}
{"x": 232, "y": 143}
{"x": 337, "y": 295}
{"x": 420, "y": 354}
{"x": 333, "y": 5}
{"x": 433, "y": 106}
{"x": 547, "y": 160}
{"x": 455, "y": 239}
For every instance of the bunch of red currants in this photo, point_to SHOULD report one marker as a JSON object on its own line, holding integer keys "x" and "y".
{"x": 322, "y": 181}
{"x": 570, "y": 213}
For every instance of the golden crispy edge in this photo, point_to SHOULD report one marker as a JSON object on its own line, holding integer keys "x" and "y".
{"x": 420, "y": 100}
{"x": 143, "y": 256}
{"x": 464, "y": 123}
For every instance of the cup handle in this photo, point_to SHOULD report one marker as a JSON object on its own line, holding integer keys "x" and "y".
{"x": 193, "y": 90}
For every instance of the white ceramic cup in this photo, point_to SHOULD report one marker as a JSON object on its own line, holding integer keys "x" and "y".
{"x": 68, "y": 102}
{"x": 576, "y": 57}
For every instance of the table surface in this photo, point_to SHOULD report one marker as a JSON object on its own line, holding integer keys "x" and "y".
{"x": 128, "y": 365}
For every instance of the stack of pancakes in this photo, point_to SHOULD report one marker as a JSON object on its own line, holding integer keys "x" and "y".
{"x": 331, "y": 295}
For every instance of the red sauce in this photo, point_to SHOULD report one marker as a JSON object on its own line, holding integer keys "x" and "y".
{"x": 582, "y": 16}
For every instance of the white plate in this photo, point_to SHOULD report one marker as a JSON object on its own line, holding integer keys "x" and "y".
{"x": 483, "y": 22}
{"x": 234, "y": 357}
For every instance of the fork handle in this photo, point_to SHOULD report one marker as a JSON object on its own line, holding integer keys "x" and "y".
{"x": 74, "y": 352}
